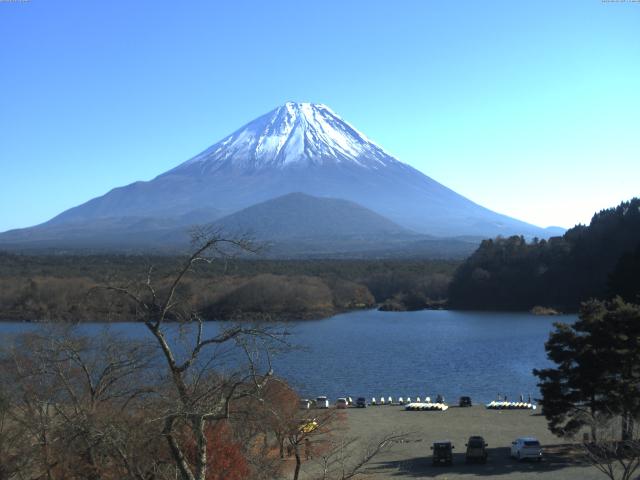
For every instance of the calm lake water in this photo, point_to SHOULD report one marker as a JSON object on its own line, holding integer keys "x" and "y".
{"x": 371, "y": 353}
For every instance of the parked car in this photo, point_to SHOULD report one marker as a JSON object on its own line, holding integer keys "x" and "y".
{"x": 322, "y": 402}
{"x": 476, "y": 450}
{"x": 308, "y": 425}
{"x": 342, "y": 403}
{"x": 526, "y": 447}
{"x": 305, "y": 403}
{"x": 361, "y": 402}
{"x": 464, "y": 402}
{"x": 442, "y": 452}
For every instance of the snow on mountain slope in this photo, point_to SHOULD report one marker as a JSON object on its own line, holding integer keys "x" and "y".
{"x": 298, "y": 147}
{"x": 295, "y": 134}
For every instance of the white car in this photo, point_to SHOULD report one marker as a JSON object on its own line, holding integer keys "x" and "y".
{"x": 342, "y": 403}
{"x": 526, "y": 447}
{"x": 322, "y": 402}
{"x": 305, "y": 403}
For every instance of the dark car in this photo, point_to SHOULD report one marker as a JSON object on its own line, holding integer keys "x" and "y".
{"x": 476, "y": 450}
{"x": 361, "y": 402}
{"x": 464, "y": 402}
{"x": 442, "y": 452}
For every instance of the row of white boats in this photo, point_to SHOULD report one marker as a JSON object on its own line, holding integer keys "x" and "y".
{"x": 402, "y": 401}
{"x": 495, "y": 405}
{"x": 500, "y": 405}
{"x": 429, "y": 407}
{"x": 417, "y": 405}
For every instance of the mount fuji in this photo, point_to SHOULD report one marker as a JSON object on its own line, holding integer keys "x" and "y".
{"x": 296, "y": 148}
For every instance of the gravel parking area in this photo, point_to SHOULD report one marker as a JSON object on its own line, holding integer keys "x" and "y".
{"x": 412, "y": 458}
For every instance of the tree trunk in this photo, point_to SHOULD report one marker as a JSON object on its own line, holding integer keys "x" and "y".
{"x": 594, "y": 426}
{"x": 94, "y": 473}
{"x": 201, "y": 456}
{"x": 298, "y": 462}
{"x": 176, "y": 451}
{"x": 627, "y": 426}
{"x": 281, "y": 445}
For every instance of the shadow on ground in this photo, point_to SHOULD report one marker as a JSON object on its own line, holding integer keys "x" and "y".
{"x": 556, "y": 458}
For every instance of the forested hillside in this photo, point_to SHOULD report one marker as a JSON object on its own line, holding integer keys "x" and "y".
{"x": 596, "y": 261}
{"x": 62, "y": 287}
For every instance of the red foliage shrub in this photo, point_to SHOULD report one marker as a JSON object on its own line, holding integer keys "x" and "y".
{"x": 225, "y": 457}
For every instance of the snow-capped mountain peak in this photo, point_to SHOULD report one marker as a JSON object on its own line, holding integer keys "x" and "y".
{"x": 294, "y": 134}
{"x": 298, "y": 148}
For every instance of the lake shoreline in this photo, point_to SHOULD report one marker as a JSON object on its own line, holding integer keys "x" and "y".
{"x": 292, "y": 317}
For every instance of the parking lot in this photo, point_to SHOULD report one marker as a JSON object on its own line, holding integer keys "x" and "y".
{"x": 412, "y": 457}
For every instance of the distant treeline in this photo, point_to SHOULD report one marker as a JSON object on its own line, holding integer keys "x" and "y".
{"x": 596, "y": 261}
{"x": 68, "y": 287}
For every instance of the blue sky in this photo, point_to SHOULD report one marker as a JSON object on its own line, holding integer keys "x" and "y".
{"x": 529, "y": 108}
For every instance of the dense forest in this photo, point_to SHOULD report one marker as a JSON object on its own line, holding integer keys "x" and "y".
{"x": 63, "y": 287}
{"x": 595, "y": 261}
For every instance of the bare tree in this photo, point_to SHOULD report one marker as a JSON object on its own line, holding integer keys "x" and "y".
{"x": 307, "y": 436}
{"x": 13, "y": 443}
{"x": 616, "y": 459}
{"x": 204, "y": 370}
{"x": 346, "y": 457}
{"x": 73, "y": 398}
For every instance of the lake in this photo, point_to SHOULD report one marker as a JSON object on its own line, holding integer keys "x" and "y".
{"x": 372, "y": 353}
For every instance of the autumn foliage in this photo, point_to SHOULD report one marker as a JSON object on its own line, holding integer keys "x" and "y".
{"x": 226, "y": 458}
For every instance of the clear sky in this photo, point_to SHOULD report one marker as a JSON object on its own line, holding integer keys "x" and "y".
{"x": 530, "y": 108}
